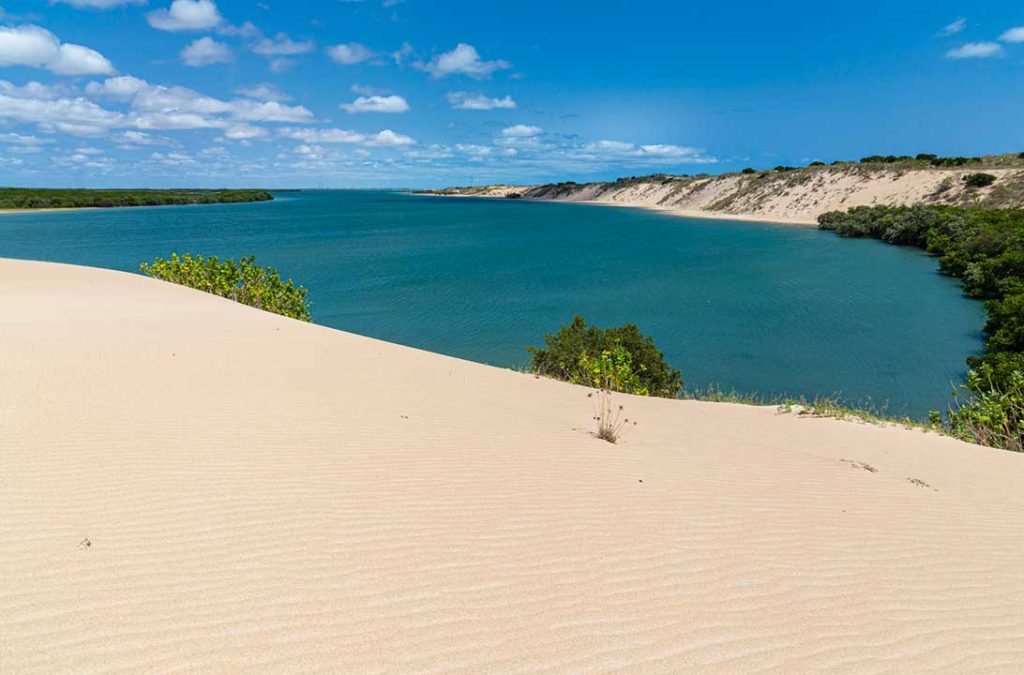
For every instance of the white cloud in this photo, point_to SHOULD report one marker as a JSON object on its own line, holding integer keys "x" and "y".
{"x": 264, "y": 92}
{"x": 953, "y": 28}
{"x": 1013, "y": 35}
{"x": 161, "y": 107}
{"x": 976, "y": 50}
{"x": 99, "y": 4}
{"x": 282, "y": 45}
{"x": 24, "y": 139}
{"x": 521, "y": 131}
{"x": 609, "y": 146}
{"x": 39, "y": 48}
{"x": 206, "y": 51}
{"x": 133, "y": 139}
{"x": 186, "y": 15}
{"x": 75, "y": 116}
{"x": 376, "y": 104}
{"x": 308, "y": 135}
{"x": 244, "y": 132}
{"x": 385, "y": 138}
{"x": 388, "y": 138}
{"x": 122, "y": 88}
{"x": 463, "y": 60}
{"x": 464, "y": 100}
{"x": 349, "y": 54}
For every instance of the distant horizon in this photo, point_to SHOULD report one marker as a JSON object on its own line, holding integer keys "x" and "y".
{"x": 397, "y": 93}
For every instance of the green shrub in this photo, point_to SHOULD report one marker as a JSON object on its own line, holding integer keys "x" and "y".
{"x": 244, "y": 282}
{"x": 979, "y": 180}
{"x": 577, "y": 343}
{"x": 992, "y": 412}
{"x": 816, "y": 163}
{"x": 749, "y": 170}
{"x": 611, "y": 371}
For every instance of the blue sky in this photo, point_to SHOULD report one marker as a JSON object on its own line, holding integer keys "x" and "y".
{"x": 386, "y": 93}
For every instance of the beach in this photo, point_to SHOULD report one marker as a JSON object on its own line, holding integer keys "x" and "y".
{"x": 194, "y": 485}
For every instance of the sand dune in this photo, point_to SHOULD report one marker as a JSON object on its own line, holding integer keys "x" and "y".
{"x": 190, "y": 485}
{"x": 795, "y": 197}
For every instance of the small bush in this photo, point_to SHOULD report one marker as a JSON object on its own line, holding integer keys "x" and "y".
{"x": 979, "y": 180}
{"x": 749, "y": 170}
{"x": 561, "y": 358}
{"x": 611, "y": 371}
{"x": 244, "y": 282}
{"x": 992, "y": 413}
{"x": 816, "y": 163}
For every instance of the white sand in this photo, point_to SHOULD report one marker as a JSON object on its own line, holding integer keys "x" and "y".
{"x": 263, "y": 495}
{"x": 797, "y": 197}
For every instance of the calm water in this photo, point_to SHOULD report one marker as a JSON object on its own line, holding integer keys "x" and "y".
{"x": 756, "y": 307}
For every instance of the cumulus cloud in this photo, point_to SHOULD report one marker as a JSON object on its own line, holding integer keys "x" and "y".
{"x": 389, "y": 138}
{"x": 377, "y": 104}
{"x": 385, "y": 138}
{"x": 521, "y": 131}
{"x": 464, "y": 100}
{"x": 463, "y": 60}
{"x": 121, "y": 88}
{"x": 263, "y": 92}
{"x": 309, "y": 135}
{"x": 953, "y": 28}
{"x": 39, "y": 48}
{"x": 184, "y": 15}
{"x": 160, "y": 107}
{"x": 282, "y": 45}
{"x": 1013, "y": 35}
{"x": 349, "y": 54}
{"x": 206, "y": 51}
{"x": 75, "y": 116}
{"x": 976, "y": 50}
{"x": 244, "y": 132}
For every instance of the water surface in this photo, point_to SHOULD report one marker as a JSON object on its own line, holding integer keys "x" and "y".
{"x": 757, "y": 307}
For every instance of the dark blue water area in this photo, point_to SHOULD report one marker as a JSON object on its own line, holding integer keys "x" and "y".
{"x": 755, "y": 307}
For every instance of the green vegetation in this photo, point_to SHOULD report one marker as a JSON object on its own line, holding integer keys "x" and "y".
{"x": 243, "y": 281}
{"x": 984, "y": 248}
{"x": 979, "y": 180}
{"x": 37, "y": 198}
{"x": 577, "y": 349}
{"x": 611, "y": 371}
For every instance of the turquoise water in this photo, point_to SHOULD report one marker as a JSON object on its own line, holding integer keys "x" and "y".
{"x": 756, "y": 307}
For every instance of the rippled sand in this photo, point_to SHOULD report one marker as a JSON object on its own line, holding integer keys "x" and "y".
{"x": 192, "y": 485}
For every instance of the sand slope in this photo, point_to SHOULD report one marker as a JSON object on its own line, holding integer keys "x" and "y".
{"x": 266, "y": 495}
{"x": 796, "y": 197}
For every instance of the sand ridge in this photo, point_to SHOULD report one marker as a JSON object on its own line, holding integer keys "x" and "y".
{"x": 190, "y": 485}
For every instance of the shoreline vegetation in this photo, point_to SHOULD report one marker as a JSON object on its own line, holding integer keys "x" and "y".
{"x": 40, "y": 199}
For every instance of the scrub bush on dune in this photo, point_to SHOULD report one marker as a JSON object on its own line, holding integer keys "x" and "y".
{"x": 243, "y": 281}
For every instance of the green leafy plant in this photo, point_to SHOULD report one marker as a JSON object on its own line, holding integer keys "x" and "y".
{"x": 990, "y": 411}
{"x": 979, "y": 180}
{"x": 243, "y": 281}
{"x": 610, "y": 371}
{"x": 560, "y": 358}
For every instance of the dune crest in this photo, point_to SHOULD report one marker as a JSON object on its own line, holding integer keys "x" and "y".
{"x": 189, "y": 484}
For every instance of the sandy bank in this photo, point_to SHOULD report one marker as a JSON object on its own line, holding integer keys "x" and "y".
{"x": 192, "y": 485}
{"x": 793, "y": 197}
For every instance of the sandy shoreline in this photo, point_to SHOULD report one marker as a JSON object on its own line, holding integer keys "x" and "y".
{"x": 194, "y": 485}
{"x": 682, "y": 213}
